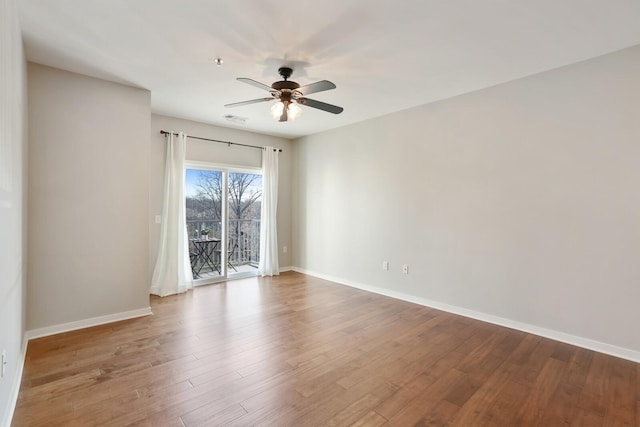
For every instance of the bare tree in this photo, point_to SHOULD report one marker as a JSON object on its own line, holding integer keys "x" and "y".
{"x": 244, "y": 191}
{"x": 210, "y": 194}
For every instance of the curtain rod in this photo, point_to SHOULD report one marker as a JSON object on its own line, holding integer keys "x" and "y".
{"x": 222, "y": 142}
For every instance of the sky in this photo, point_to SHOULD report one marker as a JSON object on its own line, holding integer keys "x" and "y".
{"x": 191, "y": 180}
{"x": 192, "y": 176}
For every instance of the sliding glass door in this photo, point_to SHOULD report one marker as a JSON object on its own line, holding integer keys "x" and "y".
{"x": 223, "y": 222}
{"x": 243, "y": 236}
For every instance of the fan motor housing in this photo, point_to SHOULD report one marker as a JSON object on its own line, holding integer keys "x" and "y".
{"x": 285, "y": 84}
{"x": 285, "y": 72}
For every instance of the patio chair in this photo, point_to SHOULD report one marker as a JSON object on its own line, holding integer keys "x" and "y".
{"x": 193, "y": 258}
{"x": 229, "y": 255}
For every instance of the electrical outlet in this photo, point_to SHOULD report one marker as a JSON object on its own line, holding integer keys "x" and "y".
{"x": 284, "y": 249}
{"x": 405, "y": 269}
{"x": 3, "y": 363}
{"x": 158, "y": 219}
{"x": 385, "y": 265}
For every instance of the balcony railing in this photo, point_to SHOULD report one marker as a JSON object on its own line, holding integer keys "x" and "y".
{"x": 244, "y": 232}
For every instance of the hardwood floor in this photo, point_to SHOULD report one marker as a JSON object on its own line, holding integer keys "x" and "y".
{"x": 299, "y": 351}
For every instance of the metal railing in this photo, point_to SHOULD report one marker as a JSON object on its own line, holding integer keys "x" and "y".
{"x": 243, "y": 232}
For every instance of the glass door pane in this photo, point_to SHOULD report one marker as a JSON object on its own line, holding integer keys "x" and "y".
{"x": 205, "y": 222}
{"x": 244, "y": 203}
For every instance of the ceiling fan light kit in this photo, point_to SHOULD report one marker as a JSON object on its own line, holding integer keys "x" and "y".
{"x": 281, "y": 114}
{"x": 288, "y": 94}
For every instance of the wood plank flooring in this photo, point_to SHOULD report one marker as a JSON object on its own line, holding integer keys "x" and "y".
{"x": 299, "y": 351}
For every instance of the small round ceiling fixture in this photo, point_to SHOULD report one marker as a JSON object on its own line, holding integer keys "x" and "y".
{"x": 218, "y": 62}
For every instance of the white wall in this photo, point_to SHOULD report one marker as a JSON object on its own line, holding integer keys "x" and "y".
{"x": 88, "y": 198}
{"x": 520, "y": 201}
{"x": 218, "y": 153}
{"x": 13, "y": 144}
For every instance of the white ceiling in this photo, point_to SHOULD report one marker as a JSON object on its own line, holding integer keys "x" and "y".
{"x": 383, "y": 55}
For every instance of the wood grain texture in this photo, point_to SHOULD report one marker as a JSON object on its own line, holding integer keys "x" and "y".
{"x": 296, "y": 350}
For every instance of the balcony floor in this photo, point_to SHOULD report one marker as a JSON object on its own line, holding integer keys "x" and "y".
{"x": 244, "y": 270}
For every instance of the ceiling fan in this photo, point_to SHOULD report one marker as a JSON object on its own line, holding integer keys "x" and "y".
{"x": 289, "y": 93}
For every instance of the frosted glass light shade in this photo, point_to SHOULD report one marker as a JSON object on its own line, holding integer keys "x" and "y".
{"x": 276, "y": 110}
{"x": 293, "y": 111}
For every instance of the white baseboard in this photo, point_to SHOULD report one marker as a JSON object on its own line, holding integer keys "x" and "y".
{"x": 589, "y": 344}
{"x": 284, "y": 269}
{"x": 15, "y": 388}
{"x": 86, "y": 323}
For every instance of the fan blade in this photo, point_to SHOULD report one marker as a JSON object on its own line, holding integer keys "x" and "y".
{"x": 320, "y": 86}
{"x": 320, "y": 105}
{"x": 253, "y": 101}
{"x": 254, "y": 83}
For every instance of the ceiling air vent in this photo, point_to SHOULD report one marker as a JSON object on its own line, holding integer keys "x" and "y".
{"x": 235, "y": 119}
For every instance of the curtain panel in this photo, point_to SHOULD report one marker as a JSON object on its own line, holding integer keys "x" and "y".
{"x": 172, "y": 272}
{"x": 268, "y": 265}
